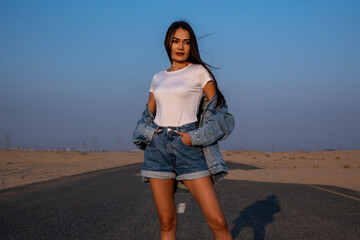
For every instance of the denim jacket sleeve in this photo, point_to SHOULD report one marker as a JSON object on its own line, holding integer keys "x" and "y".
{"x": 144, "y": 130}
{"x": 216, "y": 123}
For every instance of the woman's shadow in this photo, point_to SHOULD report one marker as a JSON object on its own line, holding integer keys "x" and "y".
{"x": 257, "y": 216}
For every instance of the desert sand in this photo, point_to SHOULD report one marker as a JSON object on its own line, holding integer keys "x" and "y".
{"x": 23, "y": 167}
{"x": 337, "y": 168}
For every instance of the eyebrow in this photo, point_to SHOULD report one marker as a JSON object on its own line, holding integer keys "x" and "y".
{"x": 179, "y": 39}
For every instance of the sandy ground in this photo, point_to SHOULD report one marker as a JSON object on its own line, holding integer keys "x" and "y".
{"x": 337, "y": 168}
{"x": 22, "y": 167}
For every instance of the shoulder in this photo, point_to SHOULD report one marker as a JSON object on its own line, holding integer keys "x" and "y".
{"x": 201, "y": 70}
{"x": 195, "y": 68}
{"x": 203, "y": 75}
{"x": 160, "y": 73}
{"x": 157, "y": 75}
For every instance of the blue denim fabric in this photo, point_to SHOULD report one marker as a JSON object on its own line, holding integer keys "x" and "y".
{"x": 215, "y": 123}
{"x": 144, "y": 130}
{"x": 167, "y": 157}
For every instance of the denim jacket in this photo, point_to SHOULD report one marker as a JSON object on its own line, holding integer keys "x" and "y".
{"x": 215, "y": 123}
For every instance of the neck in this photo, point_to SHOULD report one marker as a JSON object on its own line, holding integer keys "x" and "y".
{"x": 178, "y": 65}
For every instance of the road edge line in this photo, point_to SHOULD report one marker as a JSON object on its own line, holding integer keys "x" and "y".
{"x": 337, "y": 193}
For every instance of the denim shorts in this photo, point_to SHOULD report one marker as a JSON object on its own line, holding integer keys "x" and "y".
{"x": 167, "y": 157}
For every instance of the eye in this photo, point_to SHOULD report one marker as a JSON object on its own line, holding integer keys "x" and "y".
{"x": 175, "y": 41}
{"x": 187, "y": 43}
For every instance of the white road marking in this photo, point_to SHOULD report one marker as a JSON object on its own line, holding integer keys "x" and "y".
{"x": 181, "y": 207}
{"x": 337, "y": 193}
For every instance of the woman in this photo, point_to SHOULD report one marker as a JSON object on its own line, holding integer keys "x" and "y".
{"x": 179, "y": 146}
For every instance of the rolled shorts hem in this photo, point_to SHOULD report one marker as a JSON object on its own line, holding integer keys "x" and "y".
{"x": 158, "y": 175}
{"x": 170, "y": 175}
{"x": 194, "y": 175}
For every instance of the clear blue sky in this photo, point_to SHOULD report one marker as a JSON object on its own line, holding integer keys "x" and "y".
{"x": 76, "y": 73}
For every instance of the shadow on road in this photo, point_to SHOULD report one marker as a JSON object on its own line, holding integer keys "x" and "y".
{"x": 257, "y": 216}
{"x": 233, "y": 165}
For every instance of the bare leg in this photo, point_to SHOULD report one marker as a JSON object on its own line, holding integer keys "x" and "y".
{"x": 203, "y": 191}
{"x": 163, "y": 194}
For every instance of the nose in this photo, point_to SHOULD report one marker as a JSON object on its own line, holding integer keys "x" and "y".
{"x": 181, "y": 45}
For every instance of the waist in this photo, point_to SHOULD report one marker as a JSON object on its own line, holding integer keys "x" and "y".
{"x": 184, "y": 128}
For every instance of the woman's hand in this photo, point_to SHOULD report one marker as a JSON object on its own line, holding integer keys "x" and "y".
{"x": 185, "y": 137}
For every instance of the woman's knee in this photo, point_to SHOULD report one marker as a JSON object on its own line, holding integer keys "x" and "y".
{"x": 217, "y": 223}
{"x": 168, "y": 222}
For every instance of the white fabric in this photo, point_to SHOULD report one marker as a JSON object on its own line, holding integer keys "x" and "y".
{"x": 178, "y": 94}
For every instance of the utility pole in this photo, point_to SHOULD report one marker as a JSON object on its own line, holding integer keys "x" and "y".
{"x": 84, "y": 145}
{"x": 119, "y": 143}
{"x": 96, "y": 144}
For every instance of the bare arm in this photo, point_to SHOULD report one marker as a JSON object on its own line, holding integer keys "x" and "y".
{"x": 152, "y": 103}
{"x": 152, "y": 106}
{"x": 210, "y": 89}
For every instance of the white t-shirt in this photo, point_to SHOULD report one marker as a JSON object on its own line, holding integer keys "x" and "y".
{"x": 178, "y": 94}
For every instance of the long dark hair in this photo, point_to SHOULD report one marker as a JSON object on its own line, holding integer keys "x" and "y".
{"x": 194, "y": 56}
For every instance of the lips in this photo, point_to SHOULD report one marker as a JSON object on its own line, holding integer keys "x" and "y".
{"x": 180, "y": 54}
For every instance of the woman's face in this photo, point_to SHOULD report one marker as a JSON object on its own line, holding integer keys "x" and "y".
{"x": 180, "y": 48}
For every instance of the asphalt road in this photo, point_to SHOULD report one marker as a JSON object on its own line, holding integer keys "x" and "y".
{"x": 115, "y": 204}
